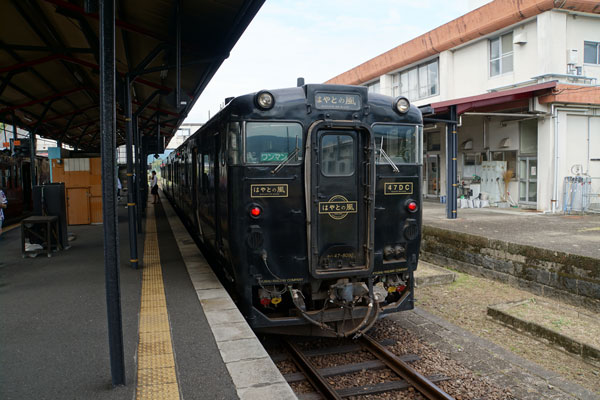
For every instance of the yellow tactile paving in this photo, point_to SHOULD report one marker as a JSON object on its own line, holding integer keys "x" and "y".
{"x": 156, "y": 375}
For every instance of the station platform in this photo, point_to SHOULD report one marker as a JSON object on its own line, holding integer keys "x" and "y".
{"x": 572, "y": 234}
{"x": 551, "y": 255}
{"x": 183, "y": 336}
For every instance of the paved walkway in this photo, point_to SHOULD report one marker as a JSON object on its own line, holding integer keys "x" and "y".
{"x": 54, "y": 326}
{"x": 53, "y": 334}
{"x": 575, "y": 234}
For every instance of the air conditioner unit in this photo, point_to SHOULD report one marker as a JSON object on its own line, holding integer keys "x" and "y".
{"x": 572, "y": 56}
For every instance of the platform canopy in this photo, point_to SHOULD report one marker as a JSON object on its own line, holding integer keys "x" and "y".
{"x": 49, "y": 62}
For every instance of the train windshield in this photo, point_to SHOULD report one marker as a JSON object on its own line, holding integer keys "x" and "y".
{"x": 273, "y": 142}
{"x": 400, "y": 143}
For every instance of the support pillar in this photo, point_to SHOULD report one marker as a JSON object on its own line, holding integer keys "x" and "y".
{"x": 131, "y": 204}
{"x": 138, "y": 175}
{"x": 451, "y": 164}
{"x": 32, "y": 159}
{"x": 109, "y": 189}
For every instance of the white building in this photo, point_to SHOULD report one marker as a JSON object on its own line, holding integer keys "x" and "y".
{"x": 523, "y": 79}
{"x": 184, "y": 132}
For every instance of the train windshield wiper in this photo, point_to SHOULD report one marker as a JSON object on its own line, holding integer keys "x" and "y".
{"x": 387, "y": 158}
{"x": 290, "y": 156}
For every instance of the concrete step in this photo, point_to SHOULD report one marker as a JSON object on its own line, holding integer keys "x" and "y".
{"x": 428, "y": 274}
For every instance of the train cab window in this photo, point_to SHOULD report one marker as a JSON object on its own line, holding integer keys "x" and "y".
{"x": 337, "y": 155}
{"x": 401, "y": 143}
{"x": 273, "y": 142}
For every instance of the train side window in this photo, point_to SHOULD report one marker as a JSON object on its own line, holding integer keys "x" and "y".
{"x": 337, "y": 155}
{"x": 401, "y": 143}
{"x": 233, "y": 143}
{"x": 273, "y": 142}
{"x": 205, "y": 172}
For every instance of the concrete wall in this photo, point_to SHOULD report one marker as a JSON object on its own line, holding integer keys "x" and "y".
{"x": 565, "y": 277}
{"x": 579, "y": 29}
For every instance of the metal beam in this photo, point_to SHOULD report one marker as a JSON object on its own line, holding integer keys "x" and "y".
{"x": 53, "y": 96}
{"x": 81, "y": 136}
{"x": 32, "y": 146}
{"x": 138, "y": 175}
{"x": 22, "y": 47}
{"x": 77, "y": 111}
{"x": 131, "y": 204}
{"x": 451, "y": 165}
{"x": 109, "y": 193}
{"x": 25, "y": 65}
{"x": 146, "y": 103}
{"x": 45, "y": 81}
{"x": 41, "y": 25}
{"x": 177, "y": 55}
{"x": 161, "y": 110}
{"x": 66, "y": 128}
{"x": 119, "y": 23}
{"x": 159, "y": 48}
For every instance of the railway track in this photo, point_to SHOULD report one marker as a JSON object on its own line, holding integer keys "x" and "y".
{"x": 320, "y": 378}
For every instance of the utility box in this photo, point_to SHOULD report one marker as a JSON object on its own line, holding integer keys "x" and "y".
{"x": 83, "y": 185}
{"x": 492, "y": 181}
{"x": 50, "y": 200}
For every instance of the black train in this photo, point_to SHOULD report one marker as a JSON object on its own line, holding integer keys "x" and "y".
{"x": 310, "y": 199}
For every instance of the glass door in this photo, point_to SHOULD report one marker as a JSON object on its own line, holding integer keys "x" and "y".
{"x": 432, "y": 174}
{"x": 528, "y": 180}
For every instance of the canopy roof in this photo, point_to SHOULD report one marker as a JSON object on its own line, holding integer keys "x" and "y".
{"x": 49, "y": 62}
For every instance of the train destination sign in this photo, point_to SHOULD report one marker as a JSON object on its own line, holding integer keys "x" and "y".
{"x": 338, "y": 207}
{"x": 273, "y": 157}
{"x": 391, "y": 188}
{"x": 269, "y": 190}
{"x": 337, "y": 101}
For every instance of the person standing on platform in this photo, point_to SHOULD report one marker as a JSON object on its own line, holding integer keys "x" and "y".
{"x": 3, "y": 205}
{"x": 154, "y": 186}
{"x": 119, "y": 187}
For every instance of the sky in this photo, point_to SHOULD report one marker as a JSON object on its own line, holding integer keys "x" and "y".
{"x": 317, "y": 40}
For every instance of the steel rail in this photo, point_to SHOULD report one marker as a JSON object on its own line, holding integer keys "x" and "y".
{"x": 311, "y": 372}
{"x": 405, "y": 371}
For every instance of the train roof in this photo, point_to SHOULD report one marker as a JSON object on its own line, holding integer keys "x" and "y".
{"x": 293, "y": 103}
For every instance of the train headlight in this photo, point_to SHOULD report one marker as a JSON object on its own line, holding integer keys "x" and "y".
{"x": 401, "y": 105}
{"x": 264, "y": 100}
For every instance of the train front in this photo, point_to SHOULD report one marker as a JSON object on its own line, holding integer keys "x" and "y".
{"x": 326, "y": 208}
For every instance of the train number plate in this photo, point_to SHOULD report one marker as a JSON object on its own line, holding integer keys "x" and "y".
{"x": 269, "y": 190}
{"x": 391, "y": 188}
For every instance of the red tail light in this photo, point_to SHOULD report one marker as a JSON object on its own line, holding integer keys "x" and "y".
{"x": 412, "y": 206}
{"x": 255, "y": 211}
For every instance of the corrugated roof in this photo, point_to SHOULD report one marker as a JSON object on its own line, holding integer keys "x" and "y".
{"x": 49, "y": 61}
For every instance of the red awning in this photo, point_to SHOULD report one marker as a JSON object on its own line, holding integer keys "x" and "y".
{"x": 493, "y": 99}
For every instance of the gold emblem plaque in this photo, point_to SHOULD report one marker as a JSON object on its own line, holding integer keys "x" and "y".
{"x": 269, "y": 190}
{"x": 337, "y": 207}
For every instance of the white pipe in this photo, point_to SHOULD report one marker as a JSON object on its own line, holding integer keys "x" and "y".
{"x": 587, "y": 169}
{"x": 554, "y": 113}
{"x": 515, "y": 115}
